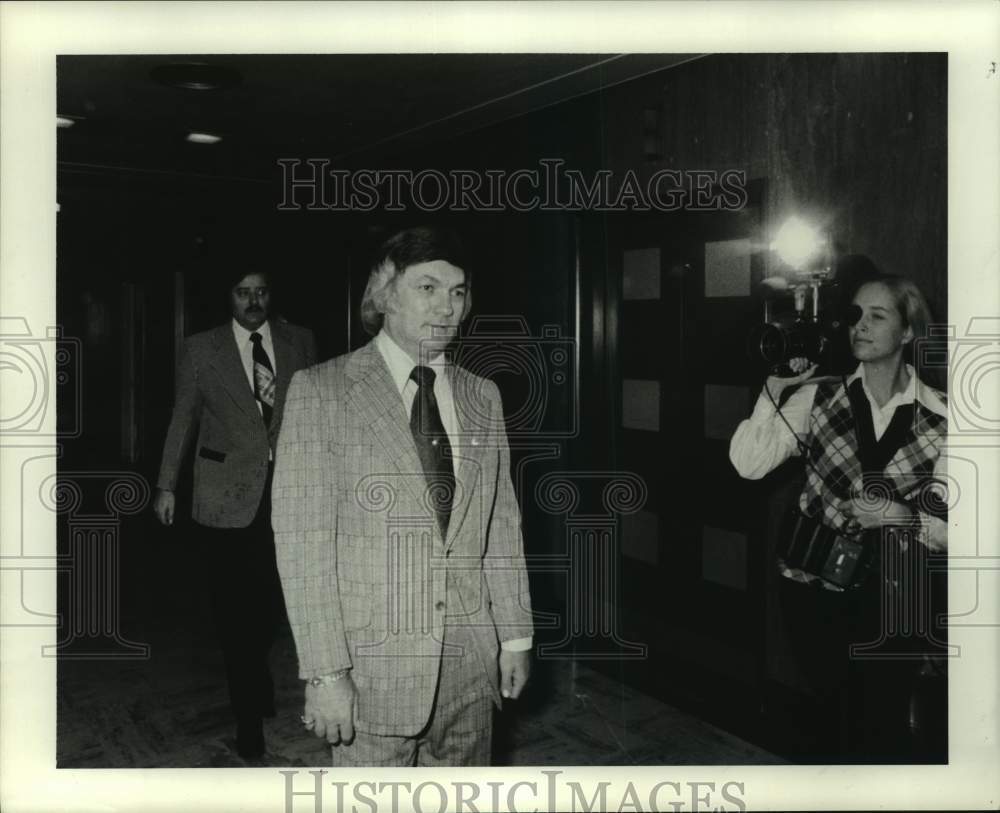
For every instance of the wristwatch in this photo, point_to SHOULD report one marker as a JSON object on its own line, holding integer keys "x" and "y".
{"x": 324, "y": 680}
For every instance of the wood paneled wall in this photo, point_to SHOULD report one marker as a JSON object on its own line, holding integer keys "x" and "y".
{"x": 858, "y": 141}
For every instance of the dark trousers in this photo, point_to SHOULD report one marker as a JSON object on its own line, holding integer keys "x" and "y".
{"x": 248, "y": 605}
{"x": 871, "y": 708}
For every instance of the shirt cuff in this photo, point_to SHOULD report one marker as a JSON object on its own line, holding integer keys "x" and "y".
{"x": 516, "y": 644}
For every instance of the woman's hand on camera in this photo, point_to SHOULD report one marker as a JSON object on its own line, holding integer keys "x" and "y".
{"x": 801, "y": 365}
{"x": 802, "y": 369}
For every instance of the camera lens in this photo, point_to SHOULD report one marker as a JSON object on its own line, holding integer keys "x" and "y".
{"x": 776, "y": 343}
{"x": 768, "y": 343}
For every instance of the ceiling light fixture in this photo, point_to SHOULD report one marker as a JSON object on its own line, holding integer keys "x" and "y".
{"x": 195, "y": 76}
{"x": 203, "y": 138}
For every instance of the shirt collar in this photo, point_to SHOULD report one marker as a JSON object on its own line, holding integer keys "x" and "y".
{"x": 399, "y": 362}
{"x": 916, "y": 390}
{"x": 243, "y": 335}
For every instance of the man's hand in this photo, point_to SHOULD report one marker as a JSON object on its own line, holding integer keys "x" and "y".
{"x": 163, "y": 506}
{"x": 331, "y": 706}
{"x": 515, "y": 669}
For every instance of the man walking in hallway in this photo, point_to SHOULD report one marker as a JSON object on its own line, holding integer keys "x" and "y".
{"x": 397, "y": 530}
{"x": 230, "y": 387}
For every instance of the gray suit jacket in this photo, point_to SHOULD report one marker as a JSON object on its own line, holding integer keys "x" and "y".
{"x": 367, "y": 576}
{"x": 213, "y": 396}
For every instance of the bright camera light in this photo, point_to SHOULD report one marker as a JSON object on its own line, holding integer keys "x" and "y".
{"x": 797, "y": 243}
{"x": 63, "y": 121}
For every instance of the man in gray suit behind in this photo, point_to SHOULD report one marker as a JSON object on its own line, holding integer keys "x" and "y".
{"x": 230, "y": 386}
{"x": 397, "y": 530}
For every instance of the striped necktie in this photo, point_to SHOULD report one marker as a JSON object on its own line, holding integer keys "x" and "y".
{"x": 263, "y": 378}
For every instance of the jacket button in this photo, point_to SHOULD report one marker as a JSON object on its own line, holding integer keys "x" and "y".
{"x": 439, "y": 606}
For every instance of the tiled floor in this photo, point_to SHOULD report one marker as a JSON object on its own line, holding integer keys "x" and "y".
{"x": 171, "y": 711}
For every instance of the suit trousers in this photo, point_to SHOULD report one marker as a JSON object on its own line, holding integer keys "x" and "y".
{"x": 248, "y": 607}
{"x": 460, "y": 729}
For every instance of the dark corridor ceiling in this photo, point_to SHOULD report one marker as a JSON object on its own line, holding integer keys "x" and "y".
{"x": 350, "y": 108}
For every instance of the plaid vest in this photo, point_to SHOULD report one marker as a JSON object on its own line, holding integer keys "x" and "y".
{"x": 836, "y": 472}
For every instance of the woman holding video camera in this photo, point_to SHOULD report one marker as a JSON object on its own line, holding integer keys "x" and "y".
{"x": 870, "y": 517}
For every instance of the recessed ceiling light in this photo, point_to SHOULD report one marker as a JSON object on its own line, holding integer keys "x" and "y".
{"x": 203, "y": 138}
{"x": 64, "y": 121}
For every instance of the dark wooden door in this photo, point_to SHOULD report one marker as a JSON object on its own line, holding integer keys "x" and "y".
{"x": 693, "y": 564}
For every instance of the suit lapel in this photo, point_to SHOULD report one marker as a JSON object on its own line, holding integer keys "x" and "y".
{"x": 375, "y": 395}
{"x": 229, "y": 366}
{"x": 285, "y": 366}
{"x": 284, "y": 358}
{"x": 469, "y": 452}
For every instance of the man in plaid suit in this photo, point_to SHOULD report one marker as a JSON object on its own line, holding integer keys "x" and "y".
{"x": 397, "y": 529}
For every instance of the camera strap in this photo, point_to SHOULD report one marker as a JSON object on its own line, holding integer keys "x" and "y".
{"x": 812, "y": 552}
{"x": 815, "y": 552}
{"x": 802, "y": 446}
{"x": 873, "y": 454}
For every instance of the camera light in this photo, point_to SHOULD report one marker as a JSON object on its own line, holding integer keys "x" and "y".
{"x": 797, "y": 243}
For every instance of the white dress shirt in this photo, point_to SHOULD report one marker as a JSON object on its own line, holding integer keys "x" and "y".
{"x": 400, "y": 366}
{"x": 763, "y": 442}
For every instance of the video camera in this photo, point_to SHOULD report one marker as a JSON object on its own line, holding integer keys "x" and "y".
{"x": 806, "y": 314}
{"x": 809, "y": 331}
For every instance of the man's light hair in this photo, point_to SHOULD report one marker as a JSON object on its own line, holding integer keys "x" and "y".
{"x": 375, "y": 302}
{"x": 409, "y": 247}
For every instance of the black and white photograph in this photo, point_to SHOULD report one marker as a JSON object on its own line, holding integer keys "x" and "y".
{"x": 601, "y": 423}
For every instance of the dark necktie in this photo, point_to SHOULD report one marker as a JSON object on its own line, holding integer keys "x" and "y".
{"x": 263, "y": 378}
{"x": 432, "y": 445}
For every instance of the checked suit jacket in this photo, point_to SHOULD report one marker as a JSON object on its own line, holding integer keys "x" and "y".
{"x": 214, "y": 398}
{"x": 369, "y": 581}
